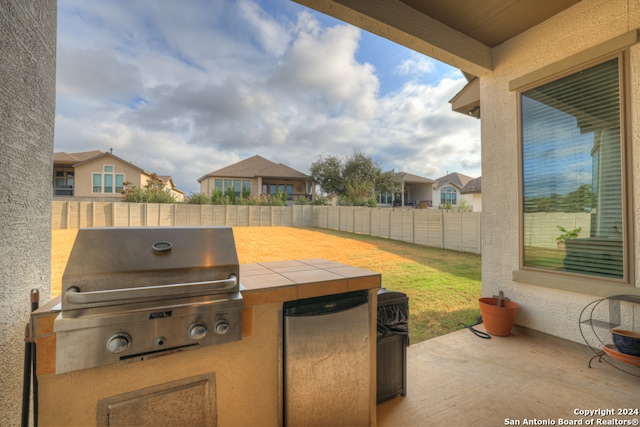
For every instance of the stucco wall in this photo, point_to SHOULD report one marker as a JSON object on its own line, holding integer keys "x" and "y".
{"x": 27, "y": 106}
{"x": 587, "y": 24}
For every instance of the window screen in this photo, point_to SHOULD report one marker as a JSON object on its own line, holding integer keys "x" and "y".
{"x": 572, "y": 174}
{"x": 119, "y": 182}
{"x": 108, "y": 183}
{"x": 97, "y": 183}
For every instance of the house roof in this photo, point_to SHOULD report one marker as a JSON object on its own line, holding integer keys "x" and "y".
{"x": 78, "y": 159}
{"x": 456, "y": 179}
{"x": 407, "y": 177}
{"x": 254, "y": 167}
{"x": 467, "y": 101}
{"x": 91, "y": 159}
{"x": 73, "y": 158}
{"x": 473, "y": 186}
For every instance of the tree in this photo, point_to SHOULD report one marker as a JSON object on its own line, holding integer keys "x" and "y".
{"x": 152, "y": 192}
{"x": 354, "y": 179}
{"x": 581, "y": 200}
{"x": 328, "y": 174}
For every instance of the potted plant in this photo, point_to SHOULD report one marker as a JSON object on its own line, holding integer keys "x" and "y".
{"x": 566, "y": 235}
{"x": 498, "y": 314}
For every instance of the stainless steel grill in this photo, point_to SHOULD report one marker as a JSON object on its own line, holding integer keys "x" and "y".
{"x": 130, "y": 294}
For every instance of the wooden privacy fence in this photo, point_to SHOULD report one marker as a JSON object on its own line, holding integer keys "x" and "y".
{"x": 458, "y": 231}
{"x": 69, "y": 214}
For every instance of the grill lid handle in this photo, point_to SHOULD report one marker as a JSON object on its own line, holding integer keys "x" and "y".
{"x": 74, "y": 296}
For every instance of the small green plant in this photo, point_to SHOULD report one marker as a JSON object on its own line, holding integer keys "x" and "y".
{"x": 566, "y": 234}
{"x": 464, "y": 206}
{"x": 199, "y": 199}
{"x": 217, "y": 198}
{"x": 230, "y": 195}
{"x": 246, "y": 192}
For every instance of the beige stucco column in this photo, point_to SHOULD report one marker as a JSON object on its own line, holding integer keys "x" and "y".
{"x": 27, "y": 102}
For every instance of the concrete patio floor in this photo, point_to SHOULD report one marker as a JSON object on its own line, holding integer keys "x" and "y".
{"x": 461, "y": 380}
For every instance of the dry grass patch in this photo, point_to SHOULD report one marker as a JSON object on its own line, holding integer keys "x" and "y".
{"x": 443, "y": 286}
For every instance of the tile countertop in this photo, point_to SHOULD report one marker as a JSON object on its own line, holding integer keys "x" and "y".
{"x": 280, "y": 281}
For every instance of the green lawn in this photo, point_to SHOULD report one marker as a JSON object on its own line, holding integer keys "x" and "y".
{"x": 443, "y": 286}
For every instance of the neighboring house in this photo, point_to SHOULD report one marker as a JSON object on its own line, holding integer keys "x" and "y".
{"x": 170, "y": 186}
{"x": 95, "y": 175}
{"x": 556, "y": 85}
{"x": 472, "y": 192}
{"x": 64, "y": 171}
{"x": 415, "y": 189}
{"x": 447, "y": 189}
{"x": 259, "y": 176}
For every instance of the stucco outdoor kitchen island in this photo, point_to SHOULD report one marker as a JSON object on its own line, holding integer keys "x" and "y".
{"x": 233, "y": 384}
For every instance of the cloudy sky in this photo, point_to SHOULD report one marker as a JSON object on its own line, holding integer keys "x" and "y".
{"x": 183, "y": 88}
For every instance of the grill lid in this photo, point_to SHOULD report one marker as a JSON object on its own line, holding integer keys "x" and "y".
{"x": 123, "y": 265}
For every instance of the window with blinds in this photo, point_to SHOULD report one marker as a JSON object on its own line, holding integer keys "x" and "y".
{"x": 573, "y": 169}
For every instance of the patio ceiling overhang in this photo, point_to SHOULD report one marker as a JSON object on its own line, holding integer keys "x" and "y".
{"x": 460, "y": 33}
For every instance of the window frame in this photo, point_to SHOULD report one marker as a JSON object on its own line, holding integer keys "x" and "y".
{"x": 451, "y": 192}
{"x": 103, "y": 181}
{"x": 571, "y": 281}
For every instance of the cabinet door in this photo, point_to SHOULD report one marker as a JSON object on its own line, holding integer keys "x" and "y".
{"x": 189, "y": 402}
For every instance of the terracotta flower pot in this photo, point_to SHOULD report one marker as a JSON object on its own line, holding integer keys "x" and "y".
{"x": 498, "y": 321}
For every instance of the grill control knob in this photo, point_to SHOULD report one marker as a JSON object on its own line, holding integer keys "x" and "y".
{"x": 221, "y": 327}
{"x": 119, "y": 342}
{"x": 197, "y": 330}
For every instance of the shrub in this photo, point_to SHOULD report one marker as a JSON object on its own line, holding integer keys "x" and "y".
{"x": 152, "y": 192}
{"x": 320, "y": 200}
{"x": 199, "y": 199}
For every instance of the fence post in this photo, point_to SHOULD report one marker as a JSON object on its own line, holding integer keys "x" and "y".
{"x": 479, "y": 227}
{"x": 413, "y": 226}
{"x": 442, "y": 229}
{"x": 68, "y": 215}
{"x": 460, "y": 231}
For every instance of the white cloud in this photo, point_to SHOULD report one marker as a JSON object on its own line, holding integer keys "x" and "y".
{"x": 271, "y": 35}
{"x": 184, "y": 90}
{"x": 416, "y": 65}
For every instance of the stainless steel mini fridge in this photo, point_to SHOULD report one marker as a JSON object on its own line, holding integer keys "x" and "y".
{"x": 327, "y": 370}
